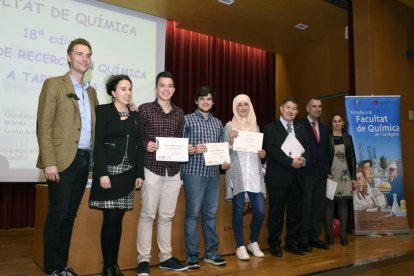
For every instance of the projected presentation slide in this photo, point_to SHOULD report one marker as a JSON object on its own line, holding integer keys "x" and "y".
{"x": 33, "y": 43}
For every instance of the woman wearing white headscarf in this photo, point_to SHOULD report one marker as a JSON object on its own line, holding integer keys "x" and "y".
{"x": 244, "y": 179}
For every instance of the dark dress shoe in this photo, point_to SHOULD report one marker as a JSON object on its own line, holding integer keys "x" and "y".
{"x": 329, "y": 240}
{"x": 276, "y": 251}
{"x": 305, "y": 247}
{"x": 108, "y": 272}
{"x": 294, "y": 249}
{"x": 344, "y": 241}
{"x": 319, "y": 244}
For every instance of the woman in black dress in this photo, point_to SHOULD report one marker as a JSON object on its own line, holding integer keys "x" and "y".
{"x": 118, "y": 166}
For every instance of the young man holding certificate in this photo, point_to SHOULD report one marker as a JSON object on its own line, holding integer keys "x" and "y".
{"x": 201, "y": 177}
{"x": 159, "y": 194}
{"x": 283, "y": 181}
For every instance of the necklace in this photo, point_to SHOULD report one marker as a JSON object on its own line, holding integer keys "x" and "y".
{"x": 124, "y": 114}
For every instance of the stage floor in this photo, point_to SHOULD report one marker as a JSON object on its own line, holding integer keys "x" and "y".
{"x": 365, "y": 255}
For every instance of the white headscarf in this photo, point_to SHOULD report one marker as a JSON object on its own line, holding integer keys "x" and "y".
{"x": 247, "y": 123}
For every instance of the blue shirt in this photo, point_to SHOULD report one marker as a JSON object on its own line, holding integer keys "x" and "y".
{"x": 85, "y": 141}
{"x": 200, "y": 130}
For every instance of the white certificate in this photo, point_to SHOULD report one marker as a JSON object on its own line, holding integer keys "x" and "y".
{"x": 292, "y": 147}
{"x": 248, "y": 141}
{"x": 217, "y": 154}
{"x": 330, "y": 188}
{"x": 172, "y": 149}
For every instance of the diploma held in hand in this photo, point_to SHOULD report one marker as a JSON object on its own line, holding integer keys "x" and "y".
{"x": 217, "y": 154}
{"x": 172, "y": 149}
{"x": 248, "y": 141}
{"x": 292, "y": 147}
{"x": 330, "y": 188}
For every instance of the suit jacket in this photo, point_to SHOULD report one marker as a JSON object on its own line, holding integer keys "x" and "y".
{"x": 349, "y": 153}
{"x": 279, "y": 170}
{"x": 59, "y": 123}
{"x": 319, "y": 151}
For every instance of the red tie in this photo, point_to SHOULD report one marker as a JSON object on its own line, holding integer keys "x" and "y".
{"x": 315, "y": 131}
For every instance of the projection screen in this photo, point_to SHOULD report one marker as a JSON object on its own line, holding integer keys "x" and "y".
{"x": 33, "y": 44}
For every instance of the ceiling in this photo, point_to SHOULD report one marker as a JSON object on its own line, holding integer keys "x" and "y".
{"x": 409, "y": 3}
{"x": 266, "y": 24}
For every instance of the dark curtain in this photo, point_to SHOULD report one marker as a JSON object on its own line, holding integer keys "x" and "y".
{"x": 229, "y": 68}
{"x": 194, "y": 59}
{"x": 17, "y": 202}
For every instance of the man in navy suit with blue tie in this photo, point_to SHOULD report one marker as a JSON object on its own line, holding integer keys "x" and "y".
{"x": 283, "y": 181}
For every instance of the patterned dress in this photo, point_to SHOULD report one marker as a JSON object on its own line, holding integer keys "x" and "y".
{"x": 340, "y": 171}
{"x": 126, "y": 202}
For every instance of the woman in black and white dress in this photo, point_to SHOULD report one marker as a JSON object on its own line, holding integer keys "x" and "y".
{"x": 118, "y": 166}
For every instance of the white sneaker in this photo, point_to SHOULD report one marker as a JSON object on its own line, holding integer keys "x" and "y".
{"x": 255, "y": 249}
{"x": 242, "y": 254}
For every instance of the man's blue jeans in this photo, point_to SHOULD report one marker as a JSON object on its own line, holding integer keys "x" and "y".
{"x": 201, "y": 196}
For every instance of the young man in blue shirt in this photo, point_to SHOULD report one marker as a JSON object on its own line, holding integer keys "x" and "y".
{"x": 201, "y": 182}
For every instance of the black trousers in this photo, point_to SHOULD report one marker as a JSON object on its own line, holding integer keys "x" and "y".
{"x": 283, "y": 198}
{"x": 314, "y": 207}
{"x": 64, "y": 199}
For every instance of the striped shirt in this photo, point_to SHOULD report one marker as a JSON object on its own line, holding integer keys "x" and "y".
{"x": 199, "y": 130}
{"x": 156, "y": 123}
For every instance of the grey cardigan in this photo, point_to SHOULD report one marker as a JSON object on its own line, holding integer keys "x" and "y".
{"x": 234, "y": 174}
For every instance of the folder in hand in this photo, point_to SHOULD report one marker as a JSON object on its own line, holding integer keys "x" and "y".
{"x": 292, "y": 147}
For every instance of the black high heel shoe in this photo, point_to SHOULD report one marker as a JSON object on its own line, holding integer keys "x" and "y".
{"x": 329, "y": 239}
{"x": 344, "y": 241}
{"x": 117, "y": 271}
{"x": 108, "y": 272}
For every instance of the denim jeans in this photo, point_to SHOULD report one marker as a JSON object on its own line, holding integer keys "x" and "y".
{"x": 257, "y": 201}
{"x": 64, "y": 199}
{"x": 201, "y": 196}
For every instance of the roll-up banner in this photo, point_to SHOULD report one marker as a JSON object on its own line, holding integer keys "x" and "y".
{"x": 378, "y": 197}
